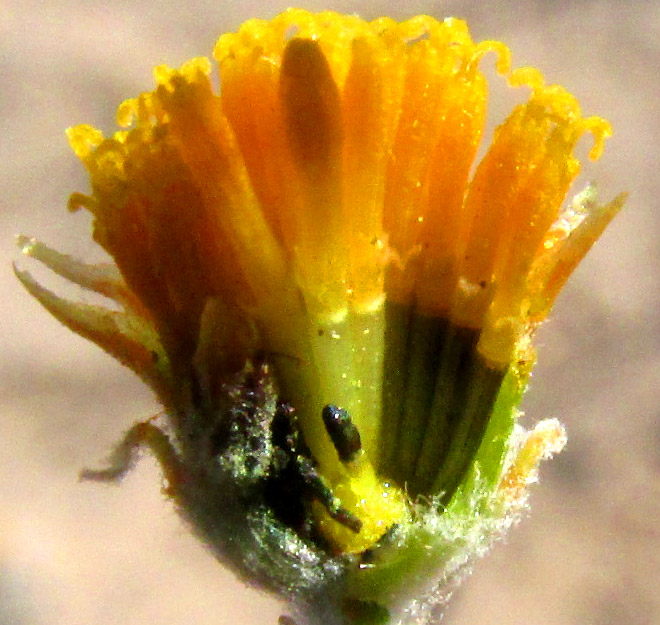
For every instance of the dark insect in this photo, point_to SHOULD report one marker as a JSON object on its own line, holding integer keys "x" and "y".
{"x": 295, "y": 469}
{"x": 345, "y": 436}
{"x": 262, "y": 446}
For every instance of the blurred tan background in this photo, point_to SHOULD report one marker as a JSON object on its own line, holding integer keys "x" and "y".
{"x": 83, "y": 554}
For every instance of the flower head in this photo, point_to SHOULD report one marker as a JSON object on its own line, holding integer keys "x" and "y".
{"x": 333, "y": 307}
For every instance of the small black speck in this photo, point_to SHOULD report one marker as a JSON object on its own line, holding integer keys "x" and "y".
{"x": 367, "y": 556}
{"x": 321, "y": 332}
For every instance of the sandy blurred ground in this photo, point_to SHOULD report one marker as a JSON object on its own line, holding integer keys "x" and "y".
{"x": 82, "y": 554}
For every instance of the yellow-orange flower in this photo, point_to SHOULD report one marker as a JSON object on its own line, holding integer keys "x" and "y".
{"x": 320, "y": 217}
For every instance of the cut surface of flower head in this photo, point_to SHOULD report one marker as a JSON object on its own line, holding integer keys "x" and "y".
{"x": 333, "y": 301}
